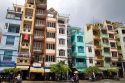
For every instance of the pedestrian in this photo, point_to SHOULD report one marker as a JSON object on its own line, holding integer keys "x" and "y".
{"x": 18, "y": 79}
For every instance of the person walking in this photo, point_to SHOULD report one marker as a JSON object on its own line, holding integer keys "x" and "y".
{"x": 18, "y": 79}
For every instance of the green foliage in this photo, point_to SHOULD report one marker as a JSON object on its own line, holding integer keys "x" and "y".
{"x": 112, "y": 70}
{"x": 60, "y": 67}
{"x": 91, "y": 70}
{"x": 12, "y": 70}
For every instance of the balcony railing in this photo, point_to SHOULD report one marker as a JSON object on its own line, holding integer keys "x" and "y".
{"x": 37, "y": 49}
{"x": 80, "y": 64}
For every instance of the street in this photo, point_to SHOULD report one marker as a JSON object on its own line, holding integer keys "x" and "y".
{"x": 81, "y": 81}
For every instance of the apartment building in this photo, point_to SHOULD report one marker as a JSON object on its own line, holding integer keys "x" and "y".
{"x": 61, "y": 40}
{"x": 102, "y": 37}
{"x": 120, "y": 38}
{"x": 32, "y": 47}
{"x": 9, "y": 37}
{"x": 78, "y": 49}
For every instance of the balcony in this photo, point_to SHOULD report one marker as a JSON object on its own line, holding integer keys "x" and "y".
{"x": 99, "y": 58}
{"x": 29, "y": 18}
{"x": 37, "y": 50}
{"x": 104, "y": 35}
{"x": 23, "y": 61}
{"x": 40, "y": 26}
{"x": 99, "y": 64}
{"x": 42, "y": 6}
{"x": 41, "y": 15}
{"x": 80, "y": 64}
{"x": 38, "y": 37}
{"x": 24, "y": 54}
{"x": 25, "y": 46}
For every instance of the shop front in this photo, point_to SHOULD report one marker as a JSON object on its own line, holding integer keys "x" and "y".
{"x": 24, "y": 72}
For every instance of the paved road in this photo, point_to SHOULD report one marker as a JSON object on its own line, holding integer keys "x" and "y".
{"x": 81, "y": 81}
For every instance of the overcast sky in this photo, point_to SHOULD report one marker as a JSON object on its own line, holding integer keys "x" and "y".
{"x": 81, "y": 11}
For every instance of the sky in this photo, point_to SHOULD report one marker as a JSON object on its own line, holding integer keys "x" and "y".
{"x": 81, "y": 11}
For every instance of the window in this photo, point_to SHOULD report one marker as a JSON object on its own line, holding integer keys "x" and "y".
{"x": 38, "y": 45}
{"x": 14, "y": 28}
{"x": 104, "y": 31}
{"x": 50, "y": 24}
{"x": 105, "y": 40}
{"x": 114, "y": 54}
{"x": 50, "y": 35}
{"x": 7, "y": 55}
{"x": 50, "y": 58}
{"x": 89, "y": 49}
{"x": 51, "y": 46}
{"x": 80, "y": 60}
{"x": 106, "y": 50}
{"x": 110, "y": 27}
{"x": 61, "y": 21}
{"x": 61, "y": 30}
{"x": 79, "y": 38}
{"x": 107, "y": 59}
{"x": 111, "y": 36}
{"x": 62, "y": 41}
{"x": 73, "y": 48}
{"x": 123, "y": 31}
{"x": 113, "y": 45}
{"x": 90, "y": 60}
{"x": 61, "y": 52}
{"x": 10, "y": 40}
{"x": 80, "y": 49}
{"x": 124, "y": 39}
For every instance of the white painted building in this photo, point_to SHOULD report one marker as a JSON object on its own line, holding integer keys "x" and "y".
{"x": 61, "y": 40}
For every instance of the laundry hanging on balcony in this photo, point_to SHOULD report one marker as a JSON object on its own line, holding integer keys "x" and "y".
{"x": 26, "y": 37}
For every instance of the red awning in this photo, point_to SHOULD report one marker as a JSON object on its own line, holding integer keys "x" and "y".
{"x": 26, "y": 37}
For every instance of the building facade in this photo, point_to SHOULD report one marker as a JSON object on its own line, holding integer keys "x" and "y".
{"x": 120, "y": 38}
{"x": 10, "y": 37}
{"x": 102, "y": 37}
{"x": 78, "y": 49}
{"x": 32, "y": 47}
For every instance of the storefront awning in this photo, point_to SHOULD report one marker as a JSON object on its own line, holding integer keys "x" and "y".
{"x": 104, "y": 68}
{"x": 36, "y": 70}
{"x": 23, "y": 67}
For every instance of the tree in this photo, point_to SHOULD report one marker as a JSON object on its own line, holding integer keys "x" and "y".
{"x": 91, "y": 70}
{"x": 60, "y": 68}
{"x": 112, "y": 70}
{"x": 12, "y": 70}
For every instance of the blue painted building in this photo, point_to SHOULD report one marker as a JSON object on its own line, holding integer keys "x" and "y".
{"x": 78, "y": 49}
{"x": 10, "y": 38}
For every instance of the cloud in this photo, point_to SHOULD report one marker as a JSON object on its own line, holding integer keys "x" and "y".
{"x": 81, "y": 11}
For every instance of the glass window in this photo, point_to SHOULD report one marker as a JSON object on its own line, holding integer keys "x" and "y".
{"x": 10, "y": 40}
{"x": 79, "y": 38}
{"x": 123, "y": 31}
{"x": 62, "y": 41}
{"x": 8, "y": 55}
{"x": 113, "y": 45}
{"x": 90, "y": 60}
{"x": 111, "y": 36}
{"x": 114, "y": 54}
{"x": 110, "y": 27}
{"x": 89, "y": 49}
{"x": 61, "y": 30}
{"x": 80, "y": 49}
{"x": 14, "y": 28}
{"x": 124, "y": 39}
{"x": 61, "y": 52}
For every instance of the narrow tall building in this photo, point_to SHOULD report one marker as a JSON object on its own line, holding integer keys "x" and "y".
{"x": 9, "y": 37}
{"x": 78, "y": 50}
{"x": 32, "y": 48}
